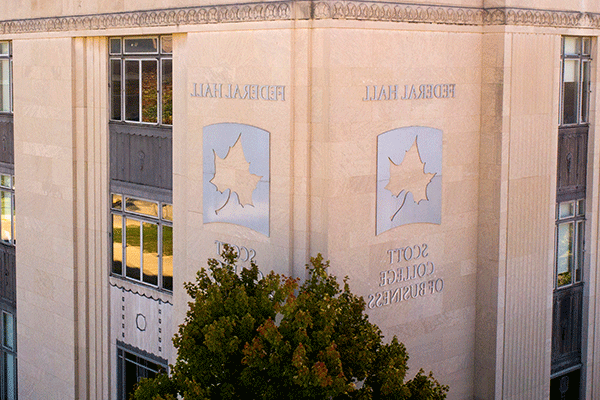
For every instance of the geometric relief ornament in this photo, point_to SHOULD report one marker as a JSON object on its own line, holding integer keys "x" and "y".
{"x": 409, "y": 177}
{"x": 236, "y": 175}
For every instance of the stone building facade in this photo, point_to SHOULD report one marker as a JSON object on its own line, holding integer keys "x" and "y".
{"x": 442, "y": 155}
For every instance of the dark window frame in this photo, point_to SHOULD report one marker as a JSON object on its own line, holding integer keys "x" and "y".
{"x": 141, "y": 360}
{"x": 583, "y": 55}
{"x": 4, "y": 57}
{"x": 160, "y": 56}
{"x": 577, "y": 244}
{"x": 8, "y": 354}
{"x": 163, "y": 223}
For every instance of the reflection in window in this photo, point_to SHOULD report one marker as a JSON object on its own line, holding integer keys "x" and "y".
{"x": 146, "y": 76}
{"x": 570, "y": 231}
{"x": 132, "y": 91}
{"x": 115, "y": 89}
{"x": 7, "y": 209}
{"x": 5, "y": 77}
{"x": 167, "y": 91}
{"x": 132, "y": 367}
{"x": 133, "y": 258}
{"x": 117, "y": 234}
{"x": 8, "y": 383}
{"x": 147, "y": 244}
{"x": 575, "y": 87}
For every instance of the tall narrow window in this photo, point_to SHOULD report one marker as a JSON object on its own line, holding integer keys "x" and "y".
{"x": 571, "y": 193}
{"x": 575, "y": 86}
{"x": 5, "y": 78}
{"x": 131, "y": 367}
{"x": 8, "y": 351}
{"x": 141, "y": 79}
{"x": 143, "y": 236}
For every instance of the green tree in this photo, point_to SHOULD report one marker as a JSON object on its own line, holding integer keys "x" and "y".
{"x": 245, "y": 337}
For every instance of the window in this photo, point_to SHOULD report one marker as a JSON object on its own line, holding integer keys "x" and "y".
{"x": 8, "y": 383}
{"x": 132, "y": 367}
{"x": 575, "y": 87}
{"x": 570, "y": 234}
{"x": 5, "y": 78}
{"x": 141, "y": 79}
{"x": 146, "y": 243}
{"x": 7, "y": 208}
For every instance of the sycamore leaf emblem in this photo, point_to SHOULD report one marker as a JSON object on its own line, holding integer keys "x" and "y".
{"x": 409, "y": 176}
{"x": 233, "y": 173}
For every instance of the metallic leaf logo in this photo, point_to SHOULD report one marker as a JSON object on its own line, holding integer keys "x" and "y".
{"x": 232, "y": 174}
{"x": 409, "y": 177}
{"x": 236, "y": 175}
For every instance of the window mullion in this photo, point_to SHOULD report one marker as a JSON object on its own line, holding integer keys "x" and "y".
{"x": 140, "y": 94}
{"x": 141, "y": 251}
{"x": 159, "y": 246}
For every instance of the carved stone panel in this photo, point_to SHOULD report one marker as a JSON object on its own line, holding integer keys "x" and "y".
{"x": 141, "y": 155}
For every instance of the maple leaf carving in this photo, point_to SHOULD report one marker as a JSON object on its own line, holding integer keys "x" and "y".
{"x": 409, "y": 176}
{"x": 233, "y": 173}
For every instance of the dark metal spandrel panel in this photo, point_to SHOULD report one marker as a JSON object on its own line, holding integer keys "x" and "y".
{"x": 6, "y": 139}
{"x": 8, "y": 271}
{"x": 572, "y": 163}
{"x": 142, "y": 155}
{"x": 566, "y": 327}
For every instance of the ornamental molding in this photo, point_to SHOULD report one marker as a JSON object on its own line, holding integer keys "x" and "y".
{"x": 308, "y": 10}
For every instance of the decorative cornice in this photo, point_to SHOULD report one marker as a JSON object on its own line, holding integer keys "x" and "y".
{"x": 398, "y": 12}
{"x": 308, "y": 9}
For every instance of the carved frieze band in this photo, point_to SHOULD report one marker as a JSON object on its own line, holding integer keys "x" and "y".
{"x": 308, "y": 9}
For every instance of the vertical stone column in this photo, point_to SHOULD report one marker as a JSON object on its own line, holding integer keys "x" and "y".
{"x": 90, "y": 195}
{"x": 47, "y": 324}
{"x": 493, "y": 162}
{"x": 518, "y": 162}
{"x": 62, "y": 225}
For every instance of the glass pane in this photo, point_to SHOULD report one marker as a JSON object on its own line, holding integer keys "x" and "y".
{"x": 167, "y": 92}
{"x": 13, "y": 217}
{"x": 117, "y": 234}
{"x": 167, "y": 212}
{"x": 141, "y": 45}
{"x": 580, "y": 238}
{"x": 566, "y": 209}
{"x": 585, "y": 92}
{"x": 133, "y": 250}
{"x": 564, "y": 254}
{"x": 587, "y": 46}
{"x": 4, "y": 86}
{"x": 8, "y": 327}
{"x": 10, "y": 377}
{"x": 132, "y": 90}
{"x": 117, "y": 202}
{"x": 570, "y": 93}
{"x": 166, "y": 44}
{"x": 6, "y": 216}
{"x": 581, "y": 207}
{"x": 572, "y": 46}
{"x": 115, "y": 89}
{"x": 167, "y": 257}
{"x": 4, "y": 48}
{"x": 115, "y": 46}
{"x": 150, "y": 253}
{"x": 141, "y": 206}
{"x": 149, "y": 91}
{"x": 5, "y": 181}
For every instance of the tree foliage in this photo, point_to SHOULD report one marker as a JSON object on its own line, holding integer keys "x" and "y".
{"x": 269, "y": 338}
